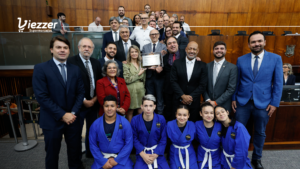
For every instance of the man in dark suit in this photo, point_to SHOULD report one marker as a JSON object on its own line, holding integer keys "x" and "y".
{"x": 111, "y": 50}
{"x": 222, "y": 77}
{"x": 189, "y": 79}
{"x": 124, "y": 43}
{"x": 258, "y": 90}
{"x": 60, "y": 25}
{"x": 121, "y": 12}
{"x": 113, "y": 35}
{"x": 91, "y": 72}
{"x": 182, "y": 41}
{"x": 154, "y": 77}
{"x": 59, "y": 89}
{"x": 166, "y": 22}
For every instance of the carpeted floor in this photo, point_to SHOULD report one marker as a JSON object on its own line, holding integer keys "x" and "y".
{"x": 35, "y": 158}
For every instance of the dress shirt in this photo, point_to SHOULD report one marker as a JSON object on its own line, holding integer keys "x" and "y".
{"x": 90, "y": 67}
{"x": 219, "y": 64}
{"x": 106, "y": 59}
{"x": 95, "y": 28}
{"x": 177, "y": 35}
{"x": 186, "y": 27}
{"x": 260, "y": 58}
{"x": 128, "y": 45}
{"x": 113, "y": 35}
{"x": 189, "y": 67}
{"x": 141, "y": 35}
{"x": 59, "y": 68}
{"x": 155, "y": 45}
{"x": 177, "y": 55}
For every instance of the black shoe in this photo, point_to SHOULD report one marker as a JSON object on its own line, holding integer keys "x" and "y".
{"x": 257, "y": 164}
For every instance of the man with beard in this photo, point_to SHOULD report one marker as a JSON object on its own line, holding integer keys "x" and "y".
{"x": 121, "y": 16}
{"x": 258, "y": 90}
{"x": 166, "y": 22}
{"x": 111, "y": 50}
{"x": 185, "y": 26}
{"x": 124, "y": 44}
{"x": 60, "y": 25}
{"x": 160, "y": 24}
{"x": 90, "y": 72}
{"x": 182, "y": 40}
{"x": 113, "y": 35}
{"x": 147, "y": 9}
{"x": 157, "y": 15}
{"x": 222, "y": 77}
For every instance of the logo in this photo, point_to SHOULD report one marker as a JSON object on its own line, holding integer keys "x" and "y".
{"x": 120, "y": 126}
{"x": 232, "y": 135}
{"x": 158, "y": 125}
{"x": 35, "y": 26}
{"x": 290, "y": 50}
{"x": 219, "y": 133}
{"x": 188, "y": 137}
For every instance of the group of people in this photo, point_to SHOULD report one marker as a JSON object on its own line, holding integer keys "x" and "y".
{"x": 166, "y": 97}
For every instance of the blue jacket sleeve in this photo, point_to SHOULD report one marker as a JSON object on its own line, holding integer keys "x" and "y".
{"x": 277, "y": 83}
{"x": 79, "y": 92}
{"x": 160, "y": 149}
{"x": 99, "y": 160}
{"x": 126, "y": 150}
{"x": 137, "y": 144}
{"x": 233, "y": 98}
{"x": 39, "y": 83}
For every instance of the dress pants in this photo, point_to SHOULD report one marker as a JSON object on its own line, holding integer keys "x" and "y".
{"x": 171, "y": 106}
{"x": 154, "y": 86}
{"x": 260, "y": 118}
{"x": 53, "y": 140}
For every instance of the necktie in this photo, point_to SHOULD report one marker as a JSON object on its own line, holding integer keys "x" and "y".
{"x": 62, "y": 26}
{"x": 174, "y": 57}
{"x": 116, "y": 37}
{"x": 126, "y": 50}
{"x": 215, "y": 74}
{"x": 90, "y": 77}
{"x": 255, "y": 67}
{"x": 153, "y": 47}
{"x": 63, "y": 72}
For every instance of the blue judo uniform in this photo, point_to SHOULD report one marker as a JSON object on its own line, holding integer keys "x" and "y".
{"x": 181, "y": 144}
{"x": 209, "y": 146}
{"x": 142, "y": 139}
{"x": 121, "y": 143}
{"x": 235, "y": 144}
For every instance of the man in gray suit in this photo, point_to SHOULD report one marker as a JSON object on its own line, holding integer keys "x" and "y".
{"x": 222, "y": 78}
{"x": 59, "y": 25}
{"x": 121, "y": 16}
{"x": 155, "y": 79}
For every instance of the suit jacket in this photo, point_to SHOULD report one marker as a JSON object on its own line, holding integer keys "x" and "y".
{"x": 120, "y": 55}
{"x": 179, "y": 82}
{"x": 167, "y": 72}
{"x": 224, "y": 86}
{"x": 148, "y": 49}
{"x": 266, "y": 87}
{"x": 102, "y": 61}
{"x": 57, "y": 26}
{"x": 107, "y": 37}
{"x": 129, "y": 23}
{"x": 55, "y": 97}
{"x": 182, "y": 43}
{"x": 105, "y": 88}
{"x": 96, "y": 66}
{"x": 290, "y": 81}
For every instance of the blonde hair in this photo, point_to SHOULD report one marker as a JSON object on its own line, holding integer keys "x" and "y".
{"x": 290, "y": 67}
{"x": 139, "y": 59}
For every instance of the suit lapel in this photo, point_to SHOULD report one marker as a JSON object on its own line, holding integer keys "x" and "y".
{"x": 69, "y": 76}
{"x": 57, "y": 73}
{"x": 248, "y": 60}
{"x": 121, "y": 49}
{"x": 183, "y": 63}
{"x": 223, "y": 67}
{"x": 195, "y": 70}
{"x": 81, "y": 65}
{"x": 263, "y": 64}
{"x": 211, "y": 69}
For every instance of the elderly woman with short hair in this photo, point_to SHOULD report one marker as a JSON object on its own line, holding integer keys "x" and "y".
{"x": 111, "y": 84}
{"x": 288, "y": 77}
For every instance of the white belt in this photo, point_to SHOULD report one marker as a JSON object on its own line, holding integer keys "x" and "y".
{"x": 155, "y": 161}
{"x": 108, "y": 155}
{"x": 187, "y": 157}
{"x": 207, "y": 157}
{"x": 228, "y": 156}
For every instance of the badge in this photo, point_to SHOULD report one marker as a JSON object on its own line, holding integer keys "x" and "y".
{"x": 120, "y": 126}
{"x": 158, "y": 125}
{"x": 219, "y": 133}
{"x": 290, "y": 50}
{"x": 232, "y": 135}
{"x": 188, "y": 137}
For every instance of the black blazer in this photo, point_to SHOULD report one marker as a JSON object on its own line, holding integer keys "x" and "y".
{"x": 76, "y": 60}
{"x": 182, "y": 43}
{"x": 178, "y": 78}
{"x": 167, "y": 71}
{"x": 106, "y": 39}
{"x": 290, "y": 81}
{"x": 120, "y": 55}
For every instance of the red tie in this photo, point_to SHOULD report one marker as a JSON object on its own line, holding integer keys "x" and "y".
{"x": 174, "y": 57}
{"x": 61, "y": 24}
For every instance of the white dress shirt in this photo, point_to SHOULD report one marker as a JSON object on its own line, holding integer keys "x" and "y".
{"x": 141, "y": 35}
{"x": 59, "y": 68}
{"x": 189, "y": 67}
{"x": 219, "y": 64}
{"x": 113, "y": 35}
{"x": 90, "y": 67}
{"x": 186, "y": 27}
{"x": 177, "y": 35}
{"x": 95, "y": 28}
{"x": 260, "y": 58}
{"x": 106, "y": 59}
{"x": 128, "y": 45}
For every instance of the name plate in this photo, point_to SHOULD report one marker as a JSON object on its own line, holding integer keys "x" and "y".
{"x": 153, "y": 59}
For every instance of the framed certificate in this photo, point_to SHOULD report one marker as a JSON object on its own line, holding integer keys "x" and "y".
{"x": 151, "y": 59}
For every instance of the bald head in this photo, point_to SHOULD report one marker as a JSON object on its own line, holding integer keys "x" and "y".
{"x": 97, "y": 20}
{"x": 192, "y": 50}
{"x": 154, "y": 35}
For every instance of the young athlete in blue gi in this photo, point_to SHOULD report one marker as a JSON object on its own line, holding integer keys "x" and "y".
{"x": 208, "y": 134}
{"x": 111, "y": 138}
{"x": 181, "y": 133}
{"x": 235, "y": 141}
{"x": 149, "y": 136}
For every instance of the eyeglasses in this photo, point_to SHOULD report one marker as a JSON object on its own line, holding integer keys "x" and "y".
{"x": 85, "y": 46}
{"x": 285, "y": 67}
{"x": 144, "y": 18}
{"x": 154, "y": 34}
{"x": 168, "y": 30}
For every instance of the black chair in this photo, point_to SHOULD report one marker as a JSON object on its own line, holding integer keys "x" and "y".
{"x": 215, "y": 33}
{"x": 287, "y": 32}
{"x": 190, "y": 32}
{"x": 241, "y": 33}
{"x": 268, "y": 33}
